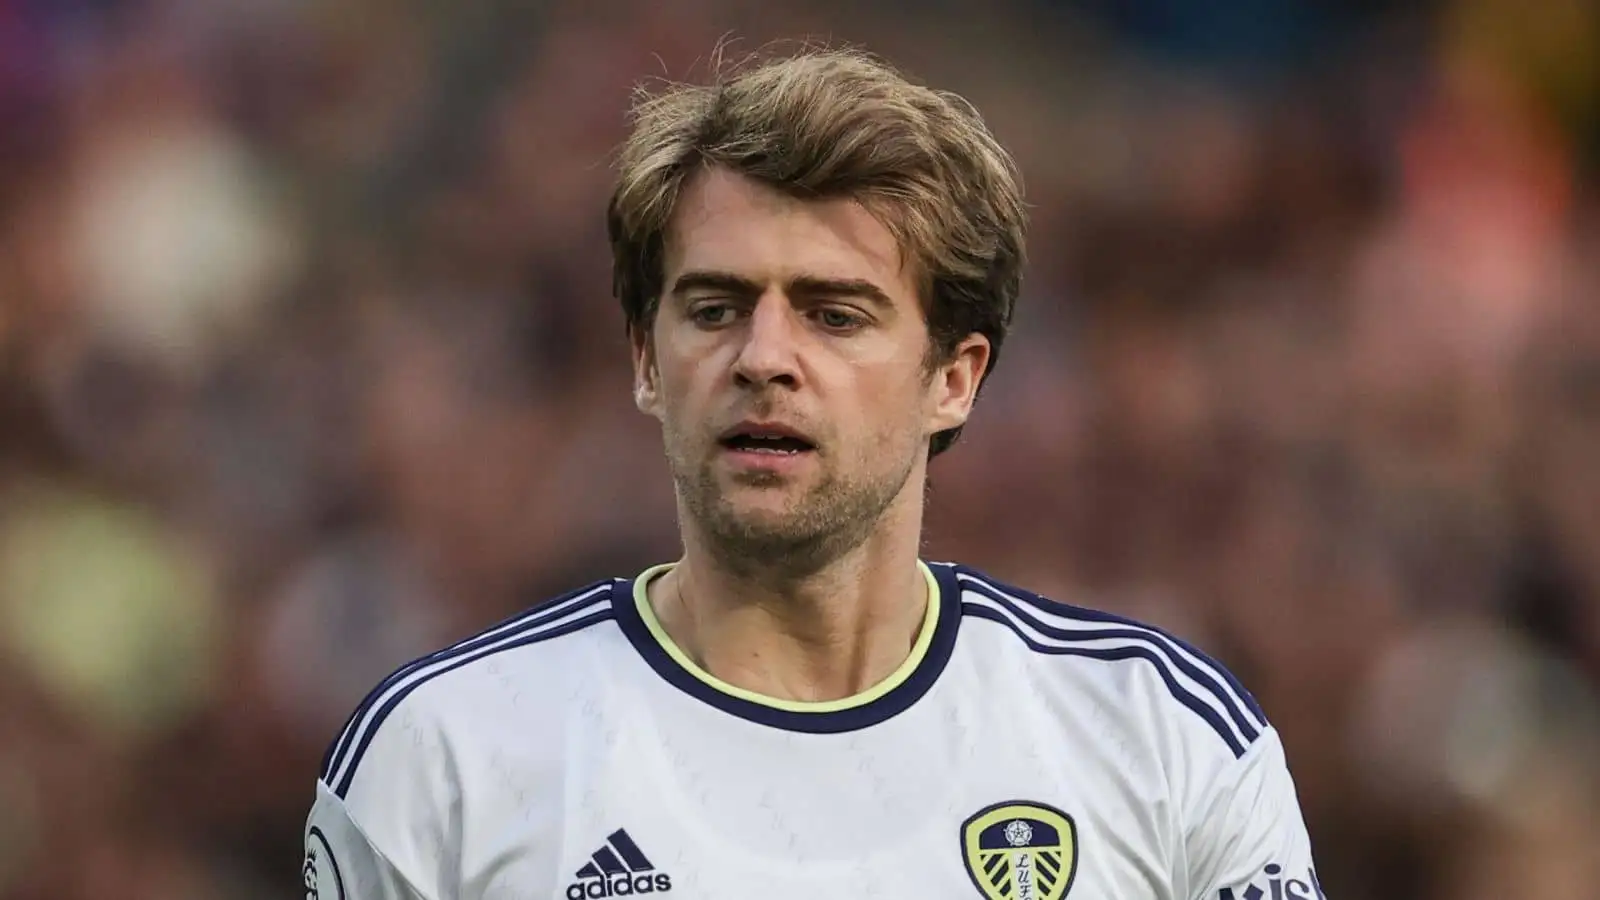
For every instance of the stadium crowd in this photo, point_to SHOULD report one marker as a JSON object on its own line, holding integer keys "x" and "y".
{"x": 309, "y": 365}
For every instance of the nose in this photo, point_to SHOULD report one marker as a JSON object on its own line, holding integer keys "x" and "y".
{"x": 770, "y": 352}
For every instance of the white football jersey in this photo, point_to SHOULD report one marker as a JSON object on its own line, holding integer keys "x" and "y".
{"x": 1026, "y": 750}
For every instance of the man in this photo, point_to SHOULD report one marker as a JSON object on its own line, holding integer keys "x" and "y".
{"x": 818, "y": 262}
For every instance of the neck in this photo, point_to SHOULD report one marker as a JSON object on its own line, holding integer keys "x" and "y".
{"x": 825, "y": 635}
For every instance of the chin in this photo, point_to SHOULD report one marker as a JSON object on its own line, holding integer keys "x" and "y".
{"x": 764, "y": 512}
{"x": 770, "y": 511}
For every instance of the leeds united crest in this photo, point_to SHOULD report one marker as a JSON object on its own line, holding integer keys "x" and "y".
{"x": 1020, "y": 851}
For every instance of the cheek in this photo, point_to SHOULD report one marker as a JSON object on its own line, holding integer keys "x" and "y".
{"x": 897, "y": 408}
{"x": 682, "y": 381}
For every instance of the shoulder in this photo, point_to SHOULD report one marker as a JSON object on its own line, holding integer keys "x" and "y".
{"x": 1149, "y": 671}
{"x": 405, "y": 721}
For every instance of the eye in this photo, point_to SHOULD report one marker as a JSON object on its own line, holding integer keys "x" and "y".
{"x": 712, "y": 314}
{"x": 835, "y": 319}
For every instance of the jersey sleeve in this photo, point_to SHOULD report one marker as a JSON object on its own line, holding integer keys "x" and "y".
{"x": 1247, "y": 839}
{"x": 341, "y": 862}
{"x": 384, "y": 822}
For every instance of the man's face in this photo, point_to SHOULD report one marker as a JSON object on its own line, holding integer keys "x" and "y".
{"x": 788, "y": 366}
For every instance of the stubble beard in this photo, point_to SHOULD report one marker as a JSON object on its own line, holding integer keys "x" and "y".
{"x": 816, "y": 527}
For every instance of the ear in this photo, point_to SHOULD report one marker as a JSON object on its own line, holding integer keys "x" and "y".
{"x": 953, "y": 387}
{"x": 646, "y": 376}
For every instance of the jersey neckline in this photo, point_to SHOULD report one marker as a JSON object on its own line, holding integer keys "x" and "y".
{"x": 890, "y": 697}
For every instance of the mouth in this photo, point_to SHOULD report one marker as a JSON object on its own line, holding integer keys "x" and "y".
{"x": 766, "y": 440}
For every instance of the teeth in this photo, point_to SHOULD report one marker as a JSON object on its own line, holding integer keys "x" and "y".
{"x": 768, "y": 443}
{"x": 776, "y": 444}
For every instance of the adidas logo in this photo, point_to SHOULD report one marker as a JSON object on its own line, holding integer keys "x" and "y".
{"x": 618, "y": 869}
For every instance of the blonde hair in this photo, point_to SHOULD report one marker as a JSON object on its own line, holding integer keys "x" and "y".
{"x": 823, "y": 124}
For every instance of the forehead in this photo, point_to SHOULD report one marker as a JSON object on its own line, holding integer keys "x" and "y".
{"x": 726, "y": 222}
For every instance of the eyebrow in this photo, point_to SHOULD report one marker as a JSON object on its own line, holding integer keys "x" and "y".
{"x": 812, "y": 285}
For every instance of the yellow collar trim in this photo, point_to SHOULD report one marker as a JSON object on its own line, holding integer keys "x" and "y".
{"x": 919, "y": 650}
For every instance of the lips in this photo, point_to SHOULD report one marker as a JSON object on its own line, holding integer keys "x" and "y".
{"x": 766, "y": 437}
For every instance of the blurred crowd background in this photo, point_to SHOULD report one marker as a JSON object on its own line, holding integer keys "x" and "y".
{"x": 309, "y": 364}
